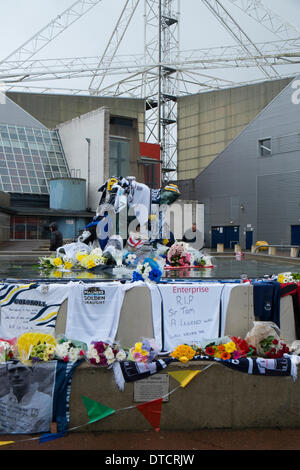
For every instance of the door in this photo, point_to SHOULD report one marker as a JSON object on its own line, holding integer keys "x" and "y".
{"x": 232, "y": 236}
{"x": 295, "y": 235}
{"x": 217, "y": 236}
{"x": 249, "y": 239}
{"x": 228, "y": 235}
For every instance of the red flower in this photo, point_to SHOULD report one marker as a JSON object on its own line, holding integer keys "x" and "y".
{"x": 210, "y": 351}
{"x": 275, "y": 341}
{"x": 65, "y": 359}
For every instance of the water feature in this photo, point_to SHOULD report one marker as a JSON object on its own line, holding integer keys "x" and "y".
{"x": 225, "y": 267}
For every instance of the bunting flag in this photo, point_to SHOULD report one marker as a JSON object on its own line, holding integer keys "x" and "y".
{"x": 5, "y": 443}
{"x": 184, "y": 376}
{"x": 51, "y": 437}
{"x": 96, "y": 410}
{"x": 152, "y": 412}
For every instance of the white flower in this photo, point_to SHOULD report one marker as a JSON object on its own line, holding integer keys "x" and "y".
{"x": 74, "y": 354}
{"x": 92, "y": 353}
{"x": 108, "y": 353}
{"x": 121, "y": 355}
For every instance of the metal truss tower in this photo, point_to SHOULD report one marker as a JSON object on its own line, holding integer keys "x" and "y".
{"x": 160, "y": 84}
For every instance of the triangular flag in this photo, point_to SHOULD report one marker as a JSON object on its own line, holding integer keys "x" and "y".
{"x": 4, "y": 443}
{"x": 96, "y": 410}
{"x": 185, "y": 376}
{"x": 51, "y": 436}
{"x": 152, "y": 411}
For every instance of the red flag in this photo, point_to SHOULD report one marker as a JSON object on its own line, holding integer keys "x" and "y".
{"x": 152, "y": 411}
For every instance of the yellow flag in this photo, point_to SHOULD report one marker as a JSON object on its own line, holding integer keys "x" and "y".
{"x": 4, "y": 443}
{"x": 185, "y": 376}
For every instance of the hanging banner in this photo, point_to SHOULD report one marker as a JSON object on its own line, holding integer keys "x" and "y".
{"x": 30, "y": 307}
{"x": 185, "y": 313}
{"x": 94, "y": 310}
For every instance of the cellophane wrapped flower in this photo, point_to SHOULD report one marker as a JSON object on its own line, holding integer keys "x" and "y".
{"x": 287, "y": 277}
{"x": 69, "y": 351}
{"x": 130, "y": 259}
{"x": 273, "y": 348}
{"x": 178, "y": 255}
{"x": 103, "y": 354}
{"x": 149, "y": 271}
{"x": 89, "y": 261}
{"x": 42, "y": 351}
{"x": 143, "y": 351}
{"x": 8, "y": 349}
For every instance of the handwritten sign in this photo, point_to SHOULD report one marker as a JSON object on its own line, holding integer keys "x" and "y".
{"x": 191, "y": 313}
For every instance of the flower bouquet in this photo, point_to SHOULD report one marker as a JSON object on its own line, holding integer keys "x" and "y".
{"x": 224, "y": 350}
{"x": 103, "y": 354}
{"x": 273, "y": 348}
{"x": 183, "y": 353}
{"x": 36, "y": 346}
{"x": 143, "y": 351}
{"x": 178, "y": 256}
{"x": 130, "y": 259}
{"x": 150, "y": 270}
{"x": 287, "y": 277}
{"x": 42, "y": 351}
{"x": 265, "y": 336}
{"x": 69, "y": 350}
{"x": 7, "y": 349}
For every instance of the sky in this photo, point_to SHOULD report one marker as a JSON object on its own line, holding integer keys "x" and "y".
{"x": 88, "y": 37}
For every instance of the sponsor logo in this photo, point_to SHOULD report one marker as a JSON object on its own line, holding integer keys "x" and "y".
{"x": 94, "y": 295}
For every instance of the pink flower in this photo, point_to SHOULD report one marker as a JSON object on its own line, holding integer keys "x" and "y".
{"x": 236, "y": 355}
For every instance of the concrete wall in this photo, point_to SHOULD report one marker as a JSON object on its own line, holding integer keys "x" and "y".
{"x": 94, "y": 169}
{"x": 216, "y": 398}
{"x": 53, "y": 109}
{"x": 208, "y": 122}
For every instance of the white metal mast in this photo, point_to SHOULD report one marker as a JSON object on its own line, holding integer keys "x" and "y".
{"x": 162, "y": 48}
{"x": 113, "y": 45}
{"x": 49, "y": 32}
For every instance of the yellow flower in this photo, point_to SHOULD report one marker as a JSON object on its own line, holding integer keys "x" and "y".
{"x": 230, "y": 347}
{"x": 165, "y": 241}
{"x": 68, "y": 265}
{"x": 80, "y": 256}
{"x": 144, "y": 353}
{"x": 57, "y": 262}
{"x": 184, "y": 359}
{"x": 91, "y": 264}
{"x": 138, "y": 347}
{"x": 281, "y": 278}
{"x": 57, "y": 273}
{"x": 183, "y": 351}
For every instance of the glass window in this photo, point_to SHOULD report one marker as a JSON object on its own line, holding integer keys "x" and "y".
{"x": 264, "y": 147}
{"x": 118, "y": 157}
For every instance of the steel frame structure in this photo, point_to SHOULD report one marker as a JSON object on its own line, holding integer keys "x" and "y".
{"x": 163, "y": 72}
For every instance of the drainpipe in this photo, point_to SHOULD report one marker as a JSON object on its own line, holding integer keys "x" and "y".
{"x": 88, "y": 172}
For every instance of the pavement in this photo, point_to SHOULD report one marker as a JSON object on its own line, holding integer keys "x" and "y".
{"x": 279, "y": 439}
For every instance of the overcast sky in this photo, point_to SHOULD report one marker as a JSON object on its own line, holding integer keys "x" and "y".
{"x": 22, "y": 19}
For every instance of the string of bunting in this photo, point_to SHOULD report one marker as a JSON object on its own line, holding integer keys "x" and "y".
{"x": 96, "y": 411}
